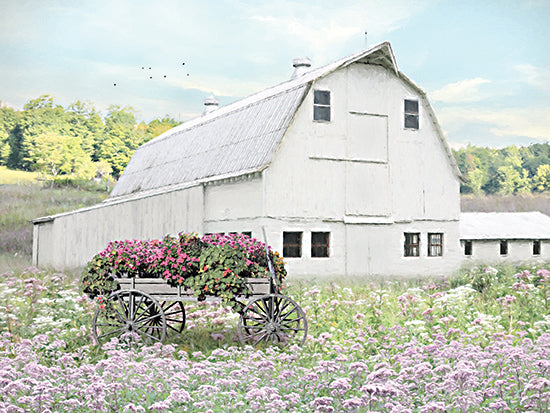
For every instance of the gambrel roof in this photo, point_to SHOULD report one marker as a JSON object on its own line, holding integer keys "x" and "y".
{"x": 240, "y": 138}
{"x": 504, "y": 226}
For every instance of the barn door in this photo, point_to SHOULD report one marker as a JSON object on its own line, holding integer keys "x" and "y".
{"x": 367, "y": 172}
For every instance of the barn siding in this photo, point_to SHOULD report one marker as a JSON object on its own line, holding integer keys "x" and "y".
{"x": 488, "y": 251}
{"x": 366, "y": 178}
{"x": 70, "y": 240}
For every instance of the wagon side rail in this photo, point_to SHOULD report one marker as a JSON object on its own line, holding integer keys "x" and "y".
{"x": 160, "y": 290}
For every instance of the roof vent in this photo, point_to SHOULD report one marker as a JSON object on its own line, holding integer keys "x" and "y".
{"x": 210, "y": 104}
{"x": 301, "y": 66}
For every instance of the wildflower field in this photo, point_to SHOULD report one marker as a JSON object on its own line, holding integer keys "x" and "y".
{"x": 479, "y": 341}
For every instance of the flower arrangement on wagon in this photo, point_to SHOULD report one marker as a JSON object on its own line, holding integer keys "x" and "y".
{"x": 214, "y": 265}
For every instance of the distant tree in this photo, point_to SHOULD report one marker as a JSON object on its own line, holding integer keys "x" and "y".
{"x": 158, "y": 126}
{"x": 513, "y": 180}
{"x": 121, "y": 138}
{"x": 541, "y": 180}
{"x": 8, "y": 120}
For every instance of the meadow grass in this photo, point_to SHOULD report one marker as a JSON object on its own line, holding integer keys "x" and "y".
{"x": 19, "y": 204}
{"x": 476, "y": 342}
{"x": 12, "y": 177}
{"x": 506, "y": 203}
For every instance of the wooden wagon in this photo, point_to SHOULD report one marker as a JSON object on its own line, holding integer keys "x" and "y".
{"x": 153, "y": 309}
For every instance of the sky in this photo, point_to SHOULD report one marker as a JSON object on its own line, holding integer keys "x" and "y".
{"x": 485, "y": 65}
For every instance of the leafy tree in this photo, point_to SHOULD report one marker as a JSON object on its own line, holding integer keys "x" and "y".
{"x": 541, "y": 180}
{"x": 514, "y": 180}
{"x": 157, "y": 127}
{"x": 8, "y": 120}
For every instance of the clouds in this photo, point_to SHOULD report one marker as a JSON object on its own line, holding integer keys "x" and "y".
{"x": 467, "y": 90}
{"x": 535, "y": 76}
{"x": 507, "y": 122}
{"x": 486, "y": 67}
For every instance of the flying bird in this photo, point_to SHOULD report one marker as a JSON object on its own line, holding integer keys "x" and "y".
{"x": 114, "y": 84}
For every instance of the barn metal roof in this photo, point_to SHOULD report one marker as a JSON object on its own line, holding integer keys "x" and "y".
{"x": 239, "y": 138}
{"x": 504, "y": 225}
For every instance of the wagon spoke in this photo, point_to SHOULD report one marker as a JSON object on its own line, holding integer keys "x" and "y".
{"x": 286, "y": 304}
{"x": 169, "y": 306}
{"x": 148, "y": 335}
{"x": 123, "y": 306}
{"x": 142, "y": 321}
{"x": 111, "y": 332}
{"x": 287, "y": 322}
{"x": 107, "y": 325}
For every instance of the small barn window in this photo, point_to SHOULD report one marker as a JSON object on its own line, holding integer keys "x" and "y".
{"x": 411, "y": 114}
{"x": 292, "y": 244}
{"x": 435, "y": 244}
{"x": 321, "y": 105}
{"x": 247, "y": 233}
{"x": 412, "y": 244}
{"x": 320, "y": 244}
{"x": 467, "y": 247}
{"x": 536, "y": 247}
{"x": 503, "y": 247}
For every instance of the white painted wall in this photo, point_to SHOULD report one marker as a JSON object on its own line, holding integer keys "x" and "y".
{"x": 364, "y": 167}
{"x": 72, "y": 239}
{"x": 488, "y": 251}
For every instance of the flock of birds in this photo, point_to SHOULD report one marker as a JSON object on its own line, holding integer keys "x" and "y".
{"x": 149, "y": 68}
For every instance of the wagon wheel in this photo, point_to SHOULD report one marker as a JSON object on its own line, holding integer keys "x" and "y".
{"x": 273, "y": 319}
{"x": 174, "y": 313}
{"x": 128, "y": 311}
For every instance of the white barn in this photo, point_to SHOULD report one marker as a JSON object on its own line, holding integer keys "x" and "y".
{"x": 497, "y": 237}
{"x": 345, "y": 166}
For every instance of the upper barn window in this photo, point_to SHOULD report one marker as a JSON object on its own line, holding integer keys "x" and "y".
{"x": 411, "y": 114}
{"x": 321, "y": 105}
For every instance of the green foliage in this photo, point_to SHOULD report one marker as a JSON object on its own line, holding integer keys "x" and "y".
{"x": 74, "y": 141}
{"x": 212, "y": 266}
{"x": 511, "y": 170}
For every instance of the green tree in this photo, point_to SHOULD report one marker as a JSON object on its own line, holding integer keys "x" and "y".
{"x": 121, "y": 138}
{"x": 541, "y": 180}
{"x": 158, "y": 126}
{"x": 514, "y": 180}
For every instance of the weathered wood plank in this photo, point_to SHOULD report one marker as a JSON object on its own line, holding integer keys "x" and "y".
{"x": 159, "y": 289}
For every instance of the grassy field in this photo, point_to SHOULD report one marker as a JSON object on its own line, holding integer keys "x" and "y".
{"x": 479, "y": 342}
{"x": 19, "y": 204}
{"x": 11, "y": 177}
{"x": 506, "y": 203}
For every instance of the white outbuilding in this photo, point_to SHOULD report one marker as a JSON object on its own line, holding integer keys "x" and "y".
{"x": 345, "y": 166}
{"x": 493, "y": 237}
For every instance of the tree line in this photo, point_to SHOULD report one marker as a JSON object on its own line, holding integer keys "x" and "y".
{"x": 510, "y": 170}
{"x": 76, "y": 141}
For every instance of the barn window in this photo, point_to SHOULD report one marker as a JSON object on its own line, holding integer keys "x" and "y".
{"x": 435, "y": 244}
{"x": 292, "y": 244}
{"x": 412, "y": 244}
{"x": 536, "y": 247}
{"x": 503, "y": 247}
{"x": 467, "y": 247}
{"x": 411, "y": 114}
{"x": 321, "y": 105}
{"x": 320, "y": 244}
{"x": 247, "y": 233}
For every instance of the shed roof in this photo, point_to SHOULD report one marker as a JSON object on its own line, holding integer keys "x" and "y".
{"x": 239, "y": 138}
{"x": 504, "y": 225}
